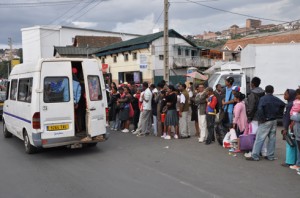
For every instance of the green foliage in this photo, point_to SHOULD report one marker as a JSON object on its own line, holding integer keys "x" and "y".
{"x": 3, "y": 69}
{"x": 210, "y": 44}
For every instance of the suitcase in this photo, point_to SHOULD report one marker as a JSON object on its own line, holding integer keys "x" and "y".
{"x": 247, "y": 142}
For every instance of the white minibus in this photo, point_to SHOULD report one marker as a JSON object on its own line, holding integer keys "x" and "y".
{"x": 56, "y": 102}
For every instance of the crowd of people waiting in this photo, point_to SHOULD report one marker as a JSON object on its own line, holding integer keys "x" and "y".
{"x": 163, "y": 110}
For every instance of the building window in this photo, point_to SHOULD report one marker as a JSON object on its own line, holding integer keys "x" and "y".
{"x": 134, "y": 56}
{"x": 179, "y": 52}
{"x": 115, "y": 59}
{"x": 161, "y": 57}
{"x": 103, "y": 60}
{"x": 187, "y": 52}
{"x": 125, "y": 57}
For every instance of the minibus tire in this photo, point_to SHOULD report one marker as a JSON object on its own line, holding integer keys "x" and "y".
{"x": 29, "y": 149}
{"x": 6, "y": 133}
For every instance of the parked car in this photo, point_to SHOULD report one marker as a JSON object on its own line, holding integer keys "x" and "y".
{"x": 2, "y": 99}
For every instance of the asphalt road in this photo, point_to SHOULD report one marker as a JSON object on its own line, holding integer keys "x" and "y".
{"x": 130, "y": 167}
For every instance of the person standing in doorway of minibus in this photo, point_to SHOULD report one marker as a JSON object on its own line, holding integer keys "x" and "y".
{"x": 228, "y": 102}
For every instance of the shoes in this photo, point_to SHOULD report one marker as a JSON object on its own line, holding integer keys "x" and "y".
{"x": 298, "y": 173}
{"x": 294, "y": 167}
{"x": 249, "y": 154}
{"x": 133, "y": 131}
{"x": 237, "y": 151}
{"x": 175, "y": 136}
{"x": 164, "y": 135}
{"x": 125, "y": 130}
{"x": 285, "y": 165}
{"x": 231, "y": 150}
{"x": 140, "y": 135}
{"x": 200, "y": 140}
{"x": 167, "y": 137}
{"x": 207, "y": 143}
{"x": 184, "y": 137}
{"x": 251, "y": 159}
{"x": 115, "y": 129}
{"x": 111, "y": 128}
{"x": 271, "y": 159}
{"x": 86, "y": 139}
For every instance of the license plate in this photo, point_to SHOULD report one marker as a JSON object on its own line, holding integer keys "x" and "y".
{"x": 58, "y": 127}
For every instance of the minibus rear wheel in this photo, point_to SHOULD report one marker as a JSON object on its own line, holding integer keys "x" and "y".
{"x": 28, "y": 147}
{"x": 6, "y": 133}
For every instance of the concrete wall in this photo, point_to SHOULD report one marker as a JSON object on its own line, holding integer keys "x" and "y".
{"x": 38, "y": 41}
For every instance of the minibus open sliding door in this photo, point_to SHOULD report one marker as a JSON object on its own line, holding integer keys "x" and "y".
{"x": 56, "y": 102}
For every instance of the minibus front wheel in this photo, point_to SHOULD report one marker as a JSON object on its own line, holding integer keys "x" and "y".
{"x": 28, "y": 147}
{"x": 6, "y": 133}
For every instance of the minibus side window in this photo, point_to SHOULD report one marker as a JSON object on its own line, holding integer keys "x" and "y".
{"x": 13, "y": 89}
{"x": 25, "y": 90}
{"x": 7, "y": 90}
{"x": 94, "y": 88}
{"x": 56, "y": 89}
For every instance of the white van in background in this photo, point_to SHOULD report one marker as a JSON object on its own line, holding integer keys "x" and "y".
{"x": 40, "y": 105}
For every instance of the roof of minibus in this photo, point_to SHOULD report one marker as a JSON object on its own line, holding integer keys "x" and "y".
{"x": 36, "y": 67}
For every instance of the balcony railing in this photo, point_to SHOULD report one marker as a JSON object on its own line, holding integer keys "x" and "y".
{"x": 187, "y": 62}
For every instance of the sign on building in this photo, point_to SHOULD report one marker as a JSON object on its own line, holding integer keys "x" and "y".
{"x": 143, "y": 62}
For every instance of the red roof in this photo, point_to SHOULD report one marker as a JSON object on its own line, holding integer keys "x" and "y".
{"x": 243, "y": 42}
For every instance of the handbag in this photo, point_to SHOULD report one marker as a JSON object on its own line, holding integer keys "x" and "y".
{"x": 131, "y": 111}
{"x": 247, "y": 142}
{"x": 289, "y": 140}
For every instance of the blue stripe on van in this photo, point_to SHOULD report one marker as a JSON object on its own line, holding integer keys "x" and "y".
{"x": 14, "y": 116}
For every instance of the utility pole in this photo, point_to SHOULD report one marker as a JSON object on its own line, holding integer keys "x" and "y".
{"x": 166, "y": 41}
{"x": 10, "y": 56}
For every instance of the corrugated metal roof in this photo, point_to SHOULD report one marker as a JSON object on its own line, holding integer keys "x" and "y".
{"x": 74, "y": 51}
{"x": 137, "y": 43}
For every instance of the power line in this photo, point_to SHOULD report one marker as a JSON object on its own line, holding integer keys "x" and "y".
{"x": 69, "y": 18}
{"x": 245, "y": 15}
{"x": 41, "y": 4}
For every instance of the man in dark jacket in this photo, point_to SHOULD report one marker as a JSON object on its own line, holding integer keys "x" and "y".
{"x": 268, "y": 108}
{"x": 253, "y": 98}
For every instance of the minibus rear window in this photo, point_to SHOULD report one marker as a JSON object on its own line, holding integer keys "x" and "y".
{"x": 56, "y": 89}
{"x": 94, "y": 88}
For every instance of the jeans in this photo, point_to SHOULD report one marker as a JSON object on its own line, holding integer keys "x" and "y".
{"x": 154, "y": 125}
{"x": 230, "y": 117}
{"x": 267, "y": 129}
{"x": 210, "y": 119}
{"x": 116, "y": 124}
{"x": 183, "y": 124}
{"x": 298, "y": 153}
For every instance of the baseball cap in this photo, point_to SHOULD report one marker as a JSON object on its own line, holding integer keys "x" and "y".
{"x": 236, "y": 88}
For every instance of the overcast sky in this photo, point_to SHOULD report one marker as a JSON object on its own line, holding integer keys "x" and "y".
{"x": 139, "y": 16}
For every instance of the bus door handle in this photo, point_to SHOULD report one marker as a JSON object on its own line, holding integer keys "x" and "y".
{"x": 92, "y": 109}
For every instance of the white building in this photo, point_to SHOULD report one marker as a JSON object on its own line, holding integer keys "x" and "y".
{"x": 39, "y": 41}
